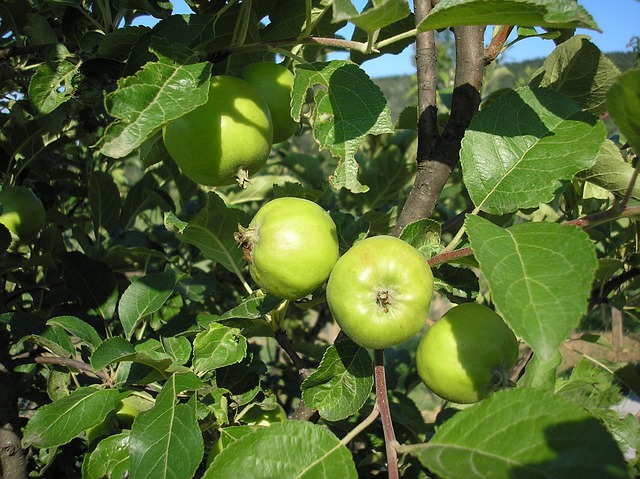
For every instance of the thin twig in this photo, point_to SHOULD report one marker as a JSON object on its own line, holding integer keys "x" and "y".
{"x": 382, "y": 402}
{"x": 72, "y": 363}
{"x": 497, "y": 43}
{"x": 287, "y": 347}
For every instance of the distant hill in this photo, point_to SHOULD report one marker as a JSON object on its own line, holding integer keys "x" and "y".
{"x": 400, "y": 91}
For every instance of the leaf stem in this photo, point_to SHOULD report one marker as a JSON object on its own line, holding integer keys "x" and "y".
{"x": 362, "y": 426}
{"x": 382, "y": 403}
{"x": 396, "y": 38}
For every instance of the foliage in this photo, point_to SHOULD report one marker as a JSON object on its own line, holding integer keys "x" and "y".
{"x": 135, "y": 289}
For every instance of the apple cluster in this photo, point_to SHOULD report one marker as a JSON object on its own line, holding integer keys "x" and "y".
{"x": 379, "y": 293}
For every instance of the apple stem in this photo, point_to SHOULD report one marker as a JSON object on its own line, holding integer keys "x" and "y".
{"x": 382, "y": 402}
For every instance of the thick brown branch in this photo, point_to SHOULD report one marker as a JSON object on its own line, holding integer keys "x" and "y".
{"x": 12, "y": 461}
{"x": 427, "y": 78}
{"x": 434, "y": 172}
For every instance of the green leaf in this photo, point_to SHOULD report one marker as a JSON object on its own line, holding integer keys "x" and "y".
{"x": 78, "y": 328}
{"x": 160, "y": 92}
{"x": 288, "y": 449}
{"x": 252, "y": 308}
{"x": 541, "y": 374}
{"x": 212, "y": 230}
{"x": 165, "y": 441}
{"x": 578, "y": 69}
{"x": 342, "y": 383}
{"x": 104, "y": 199}
{"x": 423, "y": 235}
{"x": 110, "y": 351}
{"x": 612, "y": 172}
{"x": 110, "y": 458}
{"x": 541, "y": 13}
{"x": 458, "y": 284}
{"x": 520, "y": 146}
{"x": 217, "y": 347}
{"x": 623, "y": 101}
{"x": 144, "y": 296}
{"x": 379, "y": 14}
{"x": 51, "y": 85}
{"x": 349, "y": 229}
{"x": 523, "y": 433}
{"x": 348, "y": 106}
{"x": 539, "y": 276}
{"x": 59, "y": 422}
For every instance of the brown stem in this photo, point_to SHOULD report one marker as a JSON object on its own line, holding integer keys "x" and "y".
{"x": 497, "y": 43}
{"x": 599, "y": 295}
{"x": 285, "y": 344}
{"x": 302, "y": 412}
{"x": 449, "y": 256}
{"x": 443, "y": 156}
{"x": 382, "y": 401}
{"x": 68, "y": 362}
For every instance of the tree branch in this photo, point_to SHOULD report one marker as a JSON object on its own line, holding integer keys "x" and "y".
{"x": 68, "y": 362}
{"x": 382, "y": 402}
{"x": 302, "y": 412}
{"x": 13, "y": 464}
{"x": 443, "y": 156}
{"x": 497, "y": 43}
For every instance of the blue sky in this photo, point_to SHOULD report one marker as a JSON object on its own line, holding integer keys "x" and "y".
{"x": 619, "y": 21}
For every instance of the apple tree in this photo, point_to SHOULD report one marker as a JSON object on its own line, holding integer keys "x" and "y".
{"x": 154, "y": 324}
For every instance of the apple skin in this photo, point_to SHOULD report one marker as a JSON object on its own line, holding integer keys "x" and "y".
{"x": 466, "y": 354}
{"x": 379, "y": 292}
{"x": 226, "y": 140}
{"x": 275, "y": 83}
{"x": 22, "y": 212}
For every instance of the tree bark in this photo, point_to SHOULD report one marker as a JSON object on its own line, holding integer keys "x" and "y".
{"x": 437, "y": 156}
{"x": 13, "y": 463}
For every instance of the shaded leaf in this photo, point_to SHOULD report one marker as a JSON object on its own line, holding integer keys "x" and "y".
{"x": 528, "y": 268}
{"x": 111, "y": 350}
{"x": 342, "y": 383}
{"x": 611, "y": 172}
{"x": 379, "y": 14}
{"x": 581, "y": 71}
{"x": 423, "y": 235}
{"x": 623, "y": 101}
{"x": 212, "y": 230}
{"x": 78, "y": 328}
{"x": 523, "y": 433}
{"x": 93, "y": 282}
{"x": 104, "y": 199}
{"x": 51, "y": 85}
